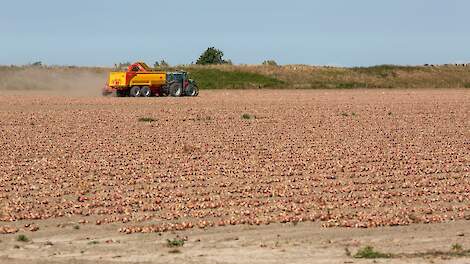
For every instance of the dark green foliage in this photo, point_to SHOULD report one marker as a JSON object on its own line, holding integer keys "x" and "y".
{"x": 217, "y": 79}
{"x": 384, "y": 71}
{"x": 368, "y": 252}
{"x": 147, "y": 119}
{"x": 37, "y": 64}
{"x": 248, "y": 116}
{"x": 22, "y": 238}
{"x": 175, "y": 242}
{"x": 466, "y": 85}
{"x": 351, "y": 85}
{"x": 163, "y": 63}
{"x": 457, "y": 247}
{"x": 211, "y": 56}
{"x": 270, "y": 62}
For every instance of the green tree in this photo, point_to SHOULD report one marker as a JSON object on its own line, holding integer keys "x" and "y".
{"x": 211, "y": 56}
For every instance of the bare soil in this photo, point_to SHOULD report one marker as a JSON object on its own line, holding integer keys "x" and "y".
{"x": 277, "y": 243}
{"x": 269, "y": 176}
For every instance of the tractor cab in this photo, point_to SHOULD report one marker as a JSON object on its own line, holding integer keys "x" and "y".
{"x": 181, "y": 78}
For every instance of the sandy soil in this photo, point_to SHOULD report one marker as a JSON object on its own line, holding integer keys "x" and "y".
{"x": 82, "y": 169}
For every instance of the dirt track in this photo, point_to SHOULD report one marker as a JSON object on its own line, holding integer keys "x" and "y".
{"x": 277, "y": 243}
{"x": 362, "y": 158}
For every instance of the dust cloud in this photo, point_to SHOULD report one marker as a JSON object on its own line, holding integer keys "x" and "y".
{"x": 52, "y": 81}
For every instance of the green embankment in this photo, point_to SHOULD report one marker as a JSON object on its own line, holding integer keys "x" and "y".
{"x": 217, "y": 79}
{"x": 310, "y": 77}
{"x": 255, "y": 76}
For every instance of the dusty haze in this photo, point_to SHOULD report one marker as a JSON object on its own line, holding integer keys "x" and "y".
{"x": 52, "y": 81}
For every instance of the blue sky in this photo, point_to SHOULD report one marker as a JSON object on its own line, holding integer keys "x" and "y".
{"x": 333, "y": 32}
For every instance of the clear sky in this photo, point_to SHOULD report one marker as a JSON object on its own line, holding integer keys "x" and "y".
{"x": 333, "y": 32}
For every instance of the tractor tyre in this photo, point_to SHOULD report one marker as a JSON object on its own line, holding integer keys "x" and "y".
{"x": 176, "y": 90}
{"x": 145, "y": 91}
{"x": 191, "y": 90}
{"x": 135, "y": 91}
{"x": 164, "y": 90}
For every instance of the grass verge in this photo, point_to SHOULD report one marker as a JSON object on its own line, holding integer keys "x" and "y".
{"x": 369, "y": 252}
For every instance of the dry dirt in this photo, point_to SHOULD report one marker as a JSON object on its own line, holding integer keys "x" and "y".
{"x": 258, "y": 189}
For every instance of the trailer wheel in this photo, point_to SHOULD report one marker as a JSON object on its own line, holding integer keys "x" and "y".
{"x": 135, "y": 91}
{"x": 145, "y": 91}
{"x": 176, "y": 89}
{"x": 121, "y": 93}
{"x": 191, "y": 90}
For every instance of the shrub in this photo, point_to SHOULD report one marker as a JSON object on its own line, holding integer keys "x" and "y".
{"x": 368, "y": 252}
{"x": 147, "y": 119}
{"x": 270, "y": 63}
{"x": 175, "y": 242}
{"x": 163, "y": 63}
{"x": 22, "y": 238}
{"x": 248, "y": 116}
{"x": 350, "y": 85}
{"x": 457, "y": 247}
{"x": 37, "y": 64}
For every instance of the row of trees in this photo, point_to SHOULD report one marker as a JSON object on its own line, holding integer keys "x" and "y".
{"x": 210, "y": 56}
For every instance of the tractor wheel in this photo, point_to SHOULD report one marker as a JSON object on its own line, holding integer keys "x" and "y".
{"x": 176, "y": 90}
{"x": 191, "y": 90}
{"x": 164, "y": 91}
{"x": 135, "y": 91}
{"x": 145, "y": 91}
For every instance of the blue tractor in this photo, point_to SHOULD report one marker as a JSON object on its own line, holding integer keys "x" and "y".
{"x": 179, "y": 84}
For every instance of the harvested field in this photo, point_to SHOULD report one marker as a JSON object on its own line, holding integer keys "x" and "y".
{"x": 358, "y": 158}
